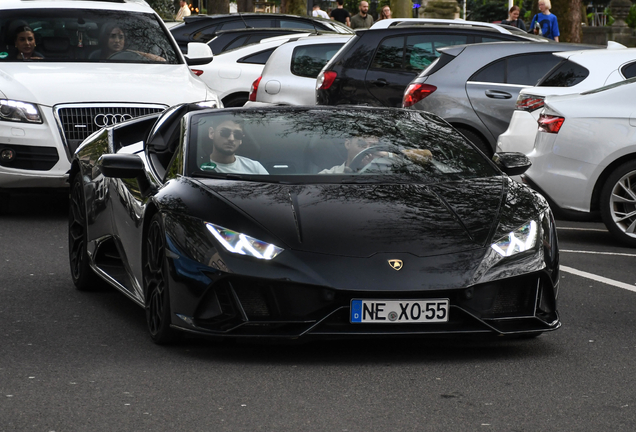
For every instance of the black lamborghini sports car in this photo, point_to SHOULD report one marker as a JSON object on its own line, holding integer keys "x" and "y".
{"x": 296, "y": 222}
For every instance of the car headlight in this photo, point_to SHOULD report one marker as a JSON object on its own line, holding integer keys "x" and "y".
{"x": 18, "y": 111}
{"x": 520, "y": 240}
{"x": 236, "y": 242}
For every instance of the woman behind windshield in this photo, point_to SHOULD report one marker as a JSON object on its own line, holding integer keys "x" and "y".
{"x": 112, "y": 41}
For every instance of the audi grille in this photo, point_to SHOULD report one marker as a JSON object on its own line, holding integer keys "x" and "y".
{"x": 79, "y": 121}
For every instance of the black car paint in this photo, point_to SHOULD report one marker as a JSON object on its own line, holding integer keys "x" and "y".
{"x": 307, "y": 289}
{"x": 202, "y": 28}
{"x": 359, "y": 84}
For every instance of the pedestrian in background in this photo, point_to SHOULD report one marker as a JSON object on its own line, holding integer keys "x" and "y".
{"x": 513, "y": 18}
{"x": 317, "y": 12}
{"x": 184, "y": 11}
{"x": 385, "y": 13}
{"x": 547, "y": 22}
{"x": 340, "y": 14}
{"x": 362, "y": 20}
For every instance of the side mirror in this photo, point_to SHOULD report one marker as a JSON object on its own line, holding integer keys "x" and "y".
{"x": 121, "y": 166}
{"x": 511, "y": 163}
{"x": 198, "y": 54}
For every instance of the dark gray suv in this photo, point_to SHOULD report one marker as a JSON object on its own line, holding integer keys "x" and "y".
{"x": 475, "y": 87}
{"x": 376, "y": 65}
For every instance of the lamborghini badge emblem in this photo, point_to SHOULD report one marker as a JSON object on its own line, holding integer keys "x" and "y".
{"x": 396, "y": 264}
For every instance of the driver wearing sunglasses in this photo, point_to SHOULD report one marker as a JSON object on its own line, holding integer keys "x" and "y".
{"x": 226, "y": 139}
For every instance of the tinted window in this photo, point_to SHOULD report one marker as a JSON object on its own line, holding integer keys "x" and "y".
{"x": 629, "y": 70}
{"x": 485, "y": 39}
{"x": 286, "y": 23}
{"x": 406, "y": 146}
{"x": 258, "y": 58}
{"x": 308, "y": 60}
{"x": 249, "y": 22}
{"x": 389, "y": 54}
{"x": 494, "y": 72}
{"x": 240, "y": 41}
{"x": 205, "y": 34}
{"x": 442, "y": 61}
{"x": 528, "y": 69}
{"x": 79, "y": 35}
{"x": 522, "y": 69}
{"x": 566, "y": 74}
{"x": 422, "y": 50}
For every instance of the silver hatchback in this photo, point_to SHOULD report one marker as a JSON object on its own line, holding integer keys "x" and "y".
{"x": 475, "y": 87}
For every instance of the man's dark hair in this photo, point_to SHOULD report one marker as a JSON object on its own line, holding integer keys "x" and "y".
{"x": 340, "y": 2}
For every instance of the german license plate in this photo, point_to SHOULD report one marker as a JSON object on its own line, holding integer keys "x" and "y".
{"x": 399, "y": 311}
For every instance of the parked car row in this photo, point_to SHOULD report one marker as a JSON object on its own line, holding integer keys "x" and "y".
{"x": 488, "y": 81}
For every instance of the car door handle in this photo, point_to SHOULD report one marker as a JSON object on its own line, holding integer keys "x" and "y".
{"x": 495, "y": 94}
{"x": 380, "y": 82}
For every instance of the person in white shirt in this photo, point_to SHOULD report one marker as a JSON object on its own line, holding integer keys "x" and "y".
{"x": 184, "y": 11}
{"x": 317, "y": 12}
{"x": 226, "y": 139}
{"x": 354, "y": 146}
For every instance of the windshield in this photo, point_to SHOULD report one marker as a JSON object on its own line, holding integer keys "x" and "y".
{"x": 76, "y": 35}
{"x": 330, "y": 146}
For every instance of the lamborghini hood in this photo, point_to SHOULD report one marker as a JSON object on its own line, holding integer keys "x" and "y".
{"x": 362, "y": 220}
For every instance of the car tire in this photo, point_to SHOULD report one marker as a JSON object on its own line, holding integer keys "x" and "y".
{"x": 235, "y": 101}
{"x": 83, "y": 276}
{"x": 156, "y": 284}
{"x": 618, "y": 203}
{"x": 477, "y": 141}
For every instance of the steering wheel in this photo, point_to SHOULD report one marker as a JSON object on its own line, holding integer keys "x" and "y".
{"x": 357, "y": 161}
{"x": 126, "y": 55}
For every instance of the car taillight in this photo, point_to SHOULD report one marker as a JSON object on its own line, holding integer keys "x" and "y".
{"x": 254, "y": 89}
{"x": 325, "y": 80}
{"x": 415, "y": 93}
{"x": 197, "y": 72}
{"x": 550, "y": 123}
{"x": 529, "y": 102}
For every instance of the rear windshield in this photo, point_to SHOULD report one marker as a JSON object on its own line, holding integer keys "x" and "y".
{"x": 78, "y": 35}
{"x": 326, "y": 146}
{"x": 308, "y": 60}
{"x": 565, "y": 74}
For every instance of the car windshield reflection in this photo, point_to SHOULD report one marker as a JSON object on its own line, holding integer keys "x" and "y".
{"x": 323, "y": 146}
{"x": 85, "y": 36}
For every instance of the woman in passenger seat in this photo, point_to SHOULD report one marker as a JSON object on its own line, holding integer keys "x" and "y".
{"x": 25, "y": 44}
{"x": 113, "y": 40}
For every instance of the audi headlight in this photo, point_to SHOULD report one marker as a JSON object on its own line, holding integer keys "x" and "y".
{"x": 18, "y": 111}
{"x": 242, "y": 244}
{"x": 520, "y": 240}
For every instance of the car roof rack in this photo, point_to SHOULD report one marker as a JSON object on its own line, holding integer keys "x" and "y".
{"x": 392, "y": 22}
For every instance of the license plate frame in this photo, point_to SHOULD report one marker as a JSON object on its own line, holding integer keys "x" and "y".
{"x": 413, "y": 311}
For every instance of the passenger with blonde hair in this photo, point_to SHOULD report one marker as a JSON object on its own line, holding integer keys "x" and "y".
{"x": 545, "y": 23}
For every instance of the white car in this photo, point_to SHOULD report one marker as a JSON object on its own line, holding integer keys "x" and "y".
{"x": 77, "y": 82}
{"x": 232, "y": 72}
{"x": 584, "y": 156}
{"x": 289, "y": 77}
{"x": 579, "y": 71}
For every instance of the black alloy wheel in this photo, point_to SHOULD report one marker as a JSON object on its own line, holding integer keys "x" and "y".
{"x": 618, "y": 203}
{"x": 83, "y": 276}
{"x": 156, "y": 284}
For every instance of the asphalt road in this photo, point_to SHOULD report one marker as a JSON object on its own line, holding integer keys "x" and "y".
{"x": 74, "y": 361}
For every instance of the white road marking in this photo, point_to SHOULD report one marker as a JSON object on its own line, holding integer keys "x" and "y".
{"x": 581, "y": 229}
{"x": 597, "y": 253}
{"x": 598, "y": 278}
